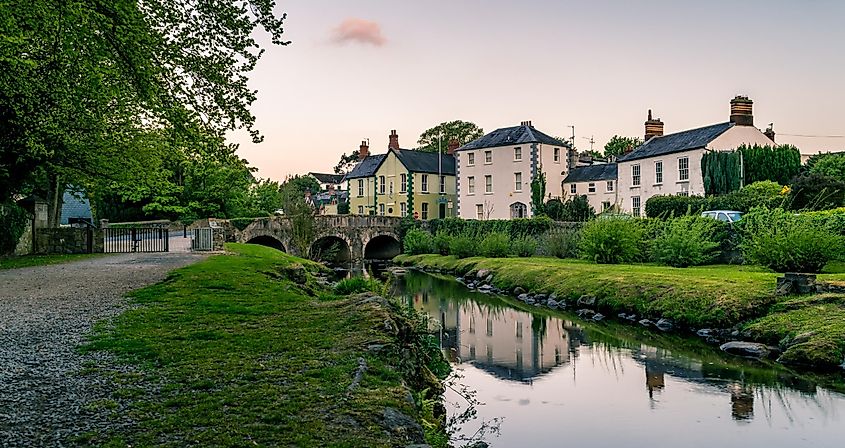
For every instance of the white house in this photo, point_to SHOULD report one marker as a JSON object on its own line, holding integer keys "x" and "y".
{"x": 329, "y": 182}
{"x": 671, "y": 164}
{"x": 495, "y": 171}
{"x": 596, "y": 182}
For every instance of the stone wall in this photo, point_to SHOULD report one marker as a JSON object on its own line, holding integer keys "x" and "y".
{"x": 68, "y": 241}
{"x": 24, "y": 246}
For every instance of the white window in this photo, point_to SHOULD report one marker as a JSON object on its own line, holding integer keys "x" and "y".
{"x": 403, "y": 209}
{"x": 381, "y": 209}
{"x": 424, "y": 186}
{"x": 471, "y": 185}
{"x": 360, "y": 187}
{"x": 403, "y": 183}
{"x": 517, "y": 154}
{"x": 517, "y": 181}
{"x": 683, "y": 168}
{"x": 635, "y": 171}
{"x": 609, "y": 186}
{"x": 488, "y": 157}
{"x": 658, "y": 172}
{"x": 591, "y": 187}
{"x": 360, "y": 209}
{"x": 424, "y": 211}
{"x": 488, "y": 184}
{"x": 381, "y": 184}
{"x": 557, "y": 155}
{"x": 573, "y": 188}
{"x": 635, "y": 205}
{"x": 442, "y": 184}
{"x": 479, "y": 211}
{"x": 470, "y": 159}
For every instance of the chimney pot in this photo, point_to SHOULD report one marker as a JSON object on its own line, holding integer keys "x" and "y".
{"x": 394, "y": 140}
{"x": 653, "y": 127}
{"x": 741, "y": 111}
{"x": 770, "y": 132}
{"x": 363, "y": 150}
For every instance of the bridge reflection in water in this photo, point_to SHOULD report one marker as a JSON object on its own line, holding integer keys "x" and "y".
{"x": 539, "y": 369}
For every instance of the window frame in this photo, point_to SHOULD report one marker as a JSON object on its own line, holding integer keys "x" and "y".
{"x": 442, "y": 184}
{"x": 403, "y": 209}
{"x": 556, "y": 155}
{"x": 517, "y": 154}
{"x": 382, "y": 188}
{"x": 424, "y": 183}
{"x": 636, "y": 206}
{"x": 360, "y": 188}
{"x": 488, "y": 184}
{"x": 517, "y": 181}
{"x": 609, "y": 186}
{"x": 424, "y": 211}
{"x": 381, "y": 209}
{"x": 479, "y": 211}
{"x": 470, "y": 159}
{"x": 591, "y": 188}
{"x": 683, "y": 173}
{"x": 488, "y": 157}
{"x": 470, "y": 185}
{"x": 360, "y": 209}
{"x": 636, "y": 175}
{"x": 403, "y": 183}
{"x": 573, "y": 188}
{"x": 658, "y": 172}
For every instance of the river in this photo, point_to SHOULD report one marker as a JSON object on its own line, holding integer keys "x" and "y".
{"x": 549, "y": 379}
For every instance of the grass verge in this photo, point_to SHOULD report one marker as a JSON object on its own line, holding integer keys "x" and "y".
{"x": 42, "y": 260}
{"x": 245, "y": 349}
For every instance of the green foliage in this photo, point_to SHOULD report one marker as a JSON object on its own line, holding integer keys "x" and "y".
{"x": 833, "y": 220}
{"x": 786, "y": 242}
{"x": 13, "y": 221}
{"x": 440, "y": 135}
{"x": 721, "y": 172}
{"x": 832, "y": 165}
{"x": 562, "y": 243}
{"x": 778, "y": 164}
{"x": 669, "y": 206}
{"x": 514, "y": 227}
{"x": 524, "y": 246}
{"x": 617, "y": 145}
{"x": 652, "y": 228}
{"x": 759, "y": 194}
{"x": 495, "y": 245}
{"x": 343, "y": 208}
{"x": 303, "y": 220}
{"x": 538, "y": 194}
{"x": 575, "y": 209}
{"x": 418, "y": 242}
{"x": 611, "y": 240}
{"x": 464, "y": 246}
{"x": 346, "y": 162}
{"x": 815, "y": 191}
{"x": 688, "y": 241}
{"x": 357, "y": 285}
{"x": 442, "y": 241}
{"x": 241, "y": 223}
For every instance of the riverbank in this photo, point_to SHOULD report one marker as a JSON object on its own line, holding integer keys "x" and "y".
{"x": 717, "y": 302}
{"x": 251, "y": 348}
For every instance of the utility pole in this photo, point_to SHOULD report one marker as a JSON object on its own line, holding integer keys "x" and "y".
{"x": 573, "y": 136}
{"x": 591, "y": 140}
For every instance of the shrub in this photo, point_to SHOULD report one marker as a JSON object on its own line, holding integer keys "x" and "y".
{"x": 788, "y": 243}
{"x": 833, "y": 220}
{"x": 524, "y": 246}
{"x": 495, "y": 245}
{"x": 561, "y": 243}
{"x": 463, "y": 246}
{"x": 343, "y": 208}
{"x": 652, "y": 228}
{"x": 13, "y": 219}
{"x": 688, "y": 241}
{"x": 576, "y": 209}
{"x": 665, "y": 207}
{"x": 441, "y": 242}
{"x": 513, "y": 227}
{"x": 356, "y": 285}
{"x": 832, "y": 165}
{"x": 816, "y": 192}
{"x": 417, "y": 242}
{"x": 611, "y": 240}
{"x": 779, "y": 163}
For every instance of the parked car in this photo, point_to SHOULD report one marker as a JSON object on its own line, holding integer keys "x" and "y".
{"x": 729, "y": 216}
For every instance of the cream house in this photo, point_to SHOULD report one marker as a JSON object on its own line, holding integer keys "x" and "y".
{"x": 671, "y": 164}
{"x": 597, "y": 183}
{"x": 495, "y": 171}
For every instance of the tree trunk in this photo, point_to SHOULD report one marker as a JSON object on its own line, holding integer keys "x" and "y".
{"x": 54, "y": 201}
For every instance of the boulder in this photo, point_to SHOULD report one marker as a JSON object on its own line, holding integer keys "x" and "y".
{"x": 552, "y": 296}
{"x": 664, "y": 325}
{"x": 523, "y": 297}
{"x": 540, "y": 297}
{"x": 706, "y": 333}
{"x": 585, "y": 313}
{"x": 482, "y": 273}
{"x": 646, "y": 322}
{"x": 552, "y": 303}
{"x": 747, "y": 349}
{"x": 587, "y": 300}
{"x": 598, "y": 317}
{"x": 518, "y": 290}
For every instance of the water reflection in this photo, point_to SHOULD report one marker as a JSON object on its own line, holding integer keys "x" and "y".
{"x": 539, "y": 370}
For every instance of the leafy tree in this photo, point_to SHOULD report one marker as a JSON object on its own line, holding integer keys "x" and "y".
{"x": 832, "y": 165}
{"x": 264, "y": 198}
{"x": 721, "y": 172}
{"x": 297, "y": 185}
{"x": 816, "y": 192}
{"x": 538, "y": 193}
{"x": 462, "y": 131}
{"x": 346, "y": 163}
{"x": 617, "y": 145}
{"x": 778, "y": 164}
{"x": 576, "y": 209}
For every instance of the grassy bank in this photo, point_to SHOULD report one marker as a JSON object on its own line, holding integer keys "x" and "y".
{"x": 41, "y": 260}
{"x": 246, "y": 349}
{"x": 695, "y": 297}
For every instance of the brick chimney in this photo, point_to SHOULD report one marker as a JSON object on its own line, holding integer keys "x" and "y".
{"x": 363, "y": 150}
{"x": 653, "y": 127}
{"x": 770, "y": 132}
{"x": 454, "y": 144}
{"x": 741, "y": 111}
{"x": 394, "y": 140}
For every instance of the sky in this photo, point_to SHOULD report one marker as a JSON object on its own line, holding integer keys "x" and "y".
{"x": 357, "y": 69}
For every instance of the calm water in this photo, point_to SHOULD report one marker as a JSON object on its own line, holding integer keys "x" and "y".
{"x": 555, "y": 380}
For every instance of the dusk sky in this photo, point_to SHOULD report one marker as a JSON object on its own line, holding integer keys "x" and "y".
{"x": 357, "y": 69}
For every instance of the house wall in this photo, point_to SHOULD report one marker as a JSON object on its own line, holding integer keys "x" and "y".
{"x": 595, "y": 199}
{"x": 497, "y": 204}
{"x": 555, "y": 170}
{"x": 364, "y": 201}
{"x": 737, "y": 136}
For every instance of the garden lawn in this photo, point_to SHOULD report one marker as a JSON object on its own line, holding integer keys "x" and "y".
{"x": 42, "y": 260}
{"x": 232, "y": 352}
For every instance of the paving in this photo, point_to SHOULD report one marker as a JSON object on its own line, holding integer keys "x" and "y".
{"x": 45, "y": 314}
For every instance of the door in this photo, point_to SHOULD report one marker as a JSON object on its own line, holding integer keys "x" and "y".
{"x": 442, "y": 211}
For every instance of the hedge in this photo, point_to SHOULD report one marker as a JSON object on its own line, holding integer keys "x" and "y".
{"x": 15, "y": 219}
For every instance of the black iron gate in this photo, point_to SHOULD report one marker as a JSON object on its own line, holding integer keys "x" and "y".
{"x": 142, "y": 239}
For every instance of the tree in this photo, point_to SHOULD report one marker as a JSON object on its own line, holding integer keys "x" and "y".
{"x": 775, "y": 163}
{"x": 832, "y": 165}
{"x": 297, "y": 185}
{"x": 721, "y": 172}
{"x": 462, "y": 131}
{"x": 538, "y": 194}
{"x": 346, "y": 163}
{"x": 576, "y": 209}
{"x": 618, "y": 145}
{"x": 815, "y": 191}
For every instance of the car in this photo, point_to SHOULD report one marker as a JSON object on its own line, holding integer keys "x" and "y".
{"x": 729, "y": 216}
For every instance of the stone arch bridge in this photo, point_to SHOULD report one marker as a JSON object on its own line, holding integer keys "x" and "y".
{"x": 345, "y": 238}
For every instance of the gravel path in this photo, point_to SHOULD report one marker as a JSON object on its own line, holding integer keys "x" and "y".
{"x": 45, "y": 314}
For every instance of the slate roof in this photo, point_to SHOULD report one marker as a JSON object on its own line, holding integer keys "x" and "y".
{"x": 603, "y": 171}
{"x": 324, "y": 178}
{"x": 366, "y": 167}
{"x": 512, "y": 136}
{"x": 677, "y": 142}
{"x": 75, "y": 205}
{"x": 426, "y": 162}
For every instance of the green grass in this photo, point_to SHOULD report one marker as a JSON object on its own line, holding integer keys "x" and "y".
{"x": 247, "y": 357}
{"x": 41, "y": 260}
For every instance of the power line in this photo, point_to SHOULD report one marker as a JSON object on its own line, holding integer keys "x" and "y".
{"x": 813, "y": 136}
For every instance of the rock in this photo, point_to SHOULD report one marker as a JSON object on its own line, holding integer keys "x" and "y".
{"x": 747, "y": 349}
{"x": 479, "y": 444}
{"x": 518, "y": 290}
{"x": 489, "y": 278}
{"x": 552, "y": 296}
{"x": 664, "y": 325}
{"x": 485, "y": 288}
{"x": 540, "y": 297}
{"x": 585, "y": 313}
{"x": 705, "y": 332}
{"x": 598, "y": 317}
{"x": 802, "y": 338}
{"x": 523, "y": 297}
{"x": 587, "y": 300}
{"x": 646, "y": 322}
{"x": 622, "y": 316}
{"x": 552, "y": 303}
{"x": 482, "y": 273}
{"x": 460, "y": 280}
{"x": 402, "y": 426}
{"x": 418, "y": 445}
{"x": 531, "y": 301}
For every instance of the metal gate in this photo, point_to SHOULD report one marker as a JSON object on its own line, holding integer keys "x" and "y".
{"x": 139, "y": 239}
{"x": 203, "y": 239}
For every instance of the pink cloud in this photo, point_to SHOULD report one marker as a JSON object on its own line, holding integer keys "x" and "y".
{"x": 359, "y": 31}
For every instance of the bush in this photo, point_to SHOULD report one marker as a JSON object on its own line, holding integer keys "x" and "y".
{"x": 513, "y": 227}
{"x": 832, "y": 165}
{"x": 13, "y": 221}
{"x": 417, "y": 242}
{"x": 688, "y": 241}
{"x": 463, "y": 246}
{"x": 785, "y": 242}
{"x": 561, "y": 243}
{"x": 495, "y": 245}
{"x": 833, "y": 220}
{"x": 356, "y": 285}
{"x": 442, "y": 241}
{"x": 611, "y": 240}
{"x": 576, "y": 209}
{"x": 652, "y": 228}
{"x": 816, "y": 192}
{"x": 524, "y": 246}
{"x": 666, "y": 207}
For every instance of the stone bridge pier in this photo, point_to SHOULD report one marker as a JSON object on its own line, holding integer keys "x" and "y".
{"x": 340, "y": 239}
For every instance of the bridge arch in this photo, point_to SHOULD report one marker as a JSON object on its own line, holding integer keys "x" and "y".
{"x": 332, "y": 249}
{"x": 269, "y": 241}
{"x": 382, "y": 247}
